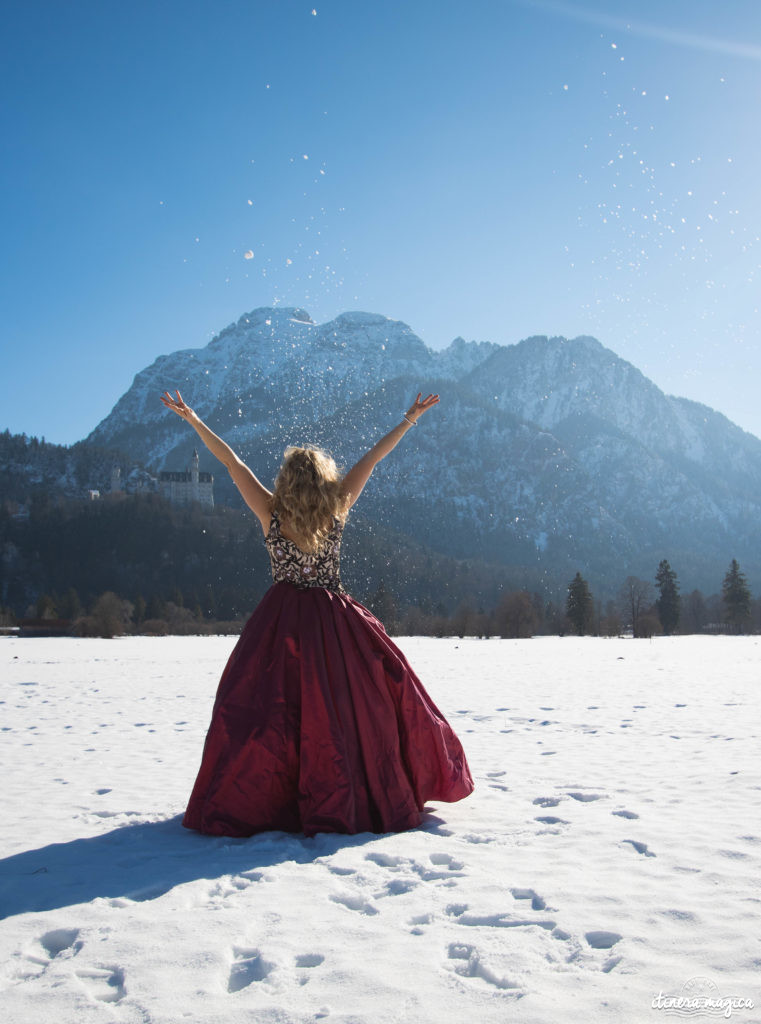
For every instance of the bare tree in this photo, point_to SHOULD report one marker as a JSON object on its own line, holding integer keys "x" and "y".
{"x": 610, "y": 623}
{"x": 635, "y": 598}
{"x": 516, "y": 616}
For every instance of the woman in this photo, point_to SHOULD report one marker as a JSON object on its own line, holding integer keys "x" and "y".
{"x": 319, "y": 724}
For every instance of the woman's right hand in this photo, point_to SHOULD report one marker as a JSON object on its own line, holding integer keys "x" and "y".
{"x": 178, "y": 405}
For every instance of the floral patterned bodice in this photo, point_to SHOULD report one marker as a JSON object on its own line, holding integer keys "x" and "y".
{"x": 292, "y": 565}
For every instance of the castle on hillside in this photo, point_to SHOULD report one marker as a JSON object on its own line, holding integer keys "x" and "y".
{"x": 185, "y": 488}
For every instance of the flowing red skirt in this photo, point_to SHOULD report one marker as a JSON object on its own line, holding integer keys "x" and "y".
{"x": 320, "y": 725}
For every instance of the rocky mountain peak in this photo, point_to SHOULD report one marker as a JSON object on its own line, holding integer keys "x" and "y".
{"x": 550, "y": 451}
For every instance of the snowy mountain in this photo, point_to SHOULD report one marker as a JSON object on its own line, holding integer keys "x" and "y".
{"x": 551, "y": 454}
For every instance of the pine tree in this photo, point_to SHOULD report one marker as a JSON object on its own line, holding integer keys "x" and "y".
{"x": 668, "y": 604}
{"x": 579, "y": 605}
{"x": 735, "y": 594}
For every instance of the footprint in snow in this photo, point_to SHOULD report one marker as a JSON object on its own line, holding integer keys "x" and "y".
{"x": 387, "y": 860}
{"x": 550, "y": 819}
{"x": 306, "y": 962}
{"x": 106, "y": 984}
{"x": 309, "y": 960}
{"x": 625, "y": 814}
{"x": 640, "y": 847}
{"x": 459, "y": 911}
{"x": 417, "y": 921}
{"x": 602, "y": 940}
{"x": 470, "y": 965}
{"x": 585, "y": 798}
{"x": 547, "y": 801}
{"x": 537, "y": 903}
{"x": 456, "y": 909}
{"x": 397, "y": 887}
{"x": 355, "y": 903}
{"x": 61, "y": 942}
{"x": 453, "y": 868}
{"x": 249, "y": 966}
{"x": 335, "y": 870}
{"x": 442, "y": 860}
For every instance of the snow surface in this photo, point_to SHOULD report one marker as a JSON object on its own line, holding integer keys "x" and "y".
{"x": 609, "y": 853}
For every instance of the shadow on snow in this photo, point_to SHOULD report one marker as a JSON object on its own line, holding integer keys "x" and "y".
{"x": 143, "y": 861}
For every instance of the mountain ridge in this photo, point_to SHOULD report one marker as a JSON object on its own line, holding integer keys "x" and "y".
{"x": 552, "y": 453}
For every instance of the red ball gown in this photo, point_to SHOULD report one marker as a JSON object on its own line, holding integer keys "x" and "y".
{"x": 319, "y": 723}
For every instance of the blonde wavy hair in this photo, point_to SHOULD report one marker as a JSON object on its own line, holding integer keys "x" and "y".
{"x": 307, "y": 494}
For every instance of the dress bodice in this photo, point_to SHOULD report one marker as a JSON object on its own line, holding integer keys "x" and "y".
{"x": 292, "y": 565}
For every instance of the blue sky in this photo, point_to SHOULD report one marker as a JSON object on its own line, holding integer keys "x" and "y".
{"x": 486, "y": 168}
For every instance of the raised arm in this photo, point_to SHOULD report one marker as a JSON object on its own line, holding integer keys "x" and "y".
{"x": 254, "y": 493}
{"x": 359, "y": 474}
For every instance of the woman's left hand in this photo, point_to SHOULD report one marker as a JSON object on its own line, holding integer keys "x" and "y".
{"x": 178, "y": 405}
{"x": 418, "y": 407}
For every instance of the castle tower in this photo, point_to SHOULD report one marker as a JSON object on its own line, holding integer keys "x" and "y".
{"x": 116, "y": 480}
{"x": 195, "y": 490}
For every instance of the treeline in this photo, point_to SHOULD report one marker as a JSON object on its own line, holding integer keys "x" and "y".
{"x": 639, "y": 611}
{"x": 517, "y": 614}
{"x": 137, "y": 546}
{"x": 212, "y": 564}
{"x": 135, "y": 563}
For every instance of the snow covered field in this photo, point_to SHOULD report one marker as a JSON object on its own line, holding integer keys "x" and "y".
{"x": 610, "y": 853}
